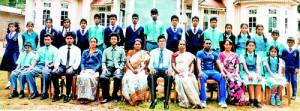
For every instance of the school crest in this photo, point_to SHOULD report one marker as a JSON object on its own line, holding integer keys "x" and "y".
{"x": 295, "y": 54}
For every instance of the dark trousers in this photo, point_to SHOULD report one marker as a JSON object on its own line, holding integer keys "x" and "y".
{"x": 57, "y": 74}
{"x": 168, "y": 80}
{"x": 105, "y": 83}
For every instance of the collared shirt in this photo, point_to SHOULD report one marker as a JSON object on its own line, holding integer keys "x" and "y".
{"x": 25, "y": 59}
{"x": 116, "y": 60}
{"x": 32, "y": 38}
{"x": 65, "y": 32}
{"x": 215, "y": 35}
{"x": 274, "y": 63}
{"x": 84, "y": 31}
{"x": 154, "y": 60}
{"x": 46, "y": 55}
{"x": 91, "y": 62}
{"x": 250, "y": 57}
{"x": 227, "y": 36}
{"x": 75, "y": 56}
{"x": 47, "y": 30}
{"x": 260, "y": 43}
{"x": 207, "y": 59}
{"x": 97, "y": 31}
{"x": 153, "y": 29}
{"x": 277, "y": 43}
{"x": 137, "y": 26}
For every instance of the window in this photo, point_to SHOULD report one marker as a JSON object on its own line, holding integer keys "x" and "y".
{"x": 253, "y": 11}
{"x": 209, "y": 13}
{"x": 46, "y": 14}
{"x": 64, "y": 6}
{"x": 63, "y": 15}
{"x": 205, "y": 22}
{"x": 48, "y": 5}
{"x": 286, "y": 25}
{"x": 104, "y": 19}
{"x": 252, "y": 24}
{"x": 272, "y": 11}
{"x": 272, "y": 23}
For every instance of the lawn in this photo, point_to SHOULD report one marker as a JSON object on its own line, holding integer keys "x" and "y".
{"x": 36, "y": 104}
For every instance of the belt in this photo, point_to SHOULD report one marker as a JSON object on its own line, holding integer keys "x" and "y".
{"x": 151, "y": 42}
{"x": 214, "y": 49}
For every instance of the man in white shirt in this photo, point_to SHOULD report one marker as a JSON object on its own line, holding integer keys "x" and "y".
{"x": 68, "y": 60}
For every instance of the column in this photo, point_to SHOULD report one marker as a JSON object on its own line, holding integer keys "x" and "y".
{"x": 195, "y": 11}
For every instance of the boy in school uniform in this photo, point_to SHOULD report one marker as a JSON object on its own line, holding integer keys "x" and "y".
{"x": 153, "y": 29}
{"x": 290, "y": 55}
{"x": 113, "y": 62}
{"x": 97, "y": 31}
{"x": 193, "y": 37}
{"x": 49, "y": 30}
{"x": 276, "y": 42}
{"x": 113, "y": 28}
{"x": 133, "y": 32}
{"x": 65, "y": 30}
{"x": 174, "y": 34}
{"x": 214, "y": 34}
{"x": 24, "y": 61}
{"x": 82, "y": 35}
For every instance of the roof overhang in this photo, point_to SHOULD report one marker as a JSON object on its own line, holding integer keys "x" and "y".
{"x": 12, "y": 11}
{"x": 292, "y": 2}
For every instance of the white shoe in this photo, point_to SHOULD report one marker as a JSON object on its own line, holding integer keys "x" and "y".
{"x": 223, "y": 104}
{"x": 7, "y": 85}
{"x": 203, "y": 104}
{"x": 220, "y": 103}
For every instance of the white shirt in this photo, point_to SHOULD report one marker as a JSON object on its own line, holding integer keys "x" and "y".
{"x": 137, "y": 26}
{"x": 47, "y": 30}
{"x": 83, "y": 31}
{"x": 75, "y": 56}
{"x": 110, "y": 27}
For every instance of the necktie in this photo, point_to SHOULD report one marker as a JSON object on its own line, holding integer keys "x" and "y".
{"x": 45, "y": 56}
{"x": 113, "y": 28}
{"x": 160, "y": 62}
{"x": 82, "y": 31}
{"x": 134, "y": 28}
{"x": 48, "y": 30}
{"x": 213, "y": 38}
{"x": 113, "y": 52}
{"x": 174, "y": 29}
{"x": 275, "y": 43}
{"x": 10, "y": 35}
{"x": 290, "y": 48}
{"x": 194, "y": 30}
{"x": 68, "y": 57}
{"x": 66, "y": 32}
{"x": 154, "y": 28}
{"x": 96, "y": 30}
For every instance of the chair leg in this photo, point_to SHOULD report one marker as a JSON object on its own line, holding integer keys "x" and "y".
{"x": 268, "y": 95}
{"x": 42, "y": 85}
{"x": 122, "y": 97}
{"x": 261, "y": 96}
{"x": 288, "y": 91}
{"x": 10, "y": 89}
{"x": 211, "y": 92}
{"x": 49, "y": 90}
{"x": 149, "y": 96}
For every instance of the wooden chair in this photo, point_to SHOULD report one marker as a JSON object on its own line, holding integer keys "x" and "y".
{"x": 73, "y": 85}
{"x": 211, "y": 81}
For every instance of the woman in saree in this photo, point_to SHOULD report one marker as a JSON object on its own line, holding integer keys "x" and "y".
{"x": 86, "y": 80}
{"x": 230, "y": 64}
{"x": 134, "y": 82}
{"x": 186, "y": 82}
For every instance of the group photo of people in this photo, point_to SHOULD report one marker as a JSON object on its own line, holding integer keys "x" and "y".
{"x": 244, "y": 66}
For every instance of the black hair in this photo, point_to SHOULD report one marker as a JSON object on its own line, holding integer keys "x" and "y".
{"x": 275, "y": 32}
{"x": 247, "y": 43}
{"x": 135, "y": 15}
{"x": 138, "y": 40}
{"x": 16, "y": 24}
{"x": 48, "y": 35}
{"x": 113, "y": 15}
{"x": 83, "y": 20}
{"x": 162, "y": 36}
{"x": 225, "y": 29}
{"x": 207, "y": 39}
{"x": 97, "y": 15}
{"x": 154, "y": 11}
{"x": 276, "y": 48}
{"x": 260, "y": 25}
{"x": 181, "y": 41}
{"x": 240, "y": 34}
{"x": 195, "y": 17}
{"x": 30, "y": 23}
{"x": 290, "y": 39}
{"x": 94, "y": 38}
{"x": 114, "y": 34}
{"x": 49, "y": 19}
{"x": 212, "y": 19}
{"x": 70, "y": 34}
{"x": 228, "y": 40}
{"x": 66, "y": 19}
{"x": 174, "y": 17}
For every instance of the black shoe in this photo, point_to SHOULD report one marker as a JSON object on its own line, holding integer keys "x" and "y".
{"x": 104, "y": 101}
{"x": 67, "y": 98}
{"x": 44, "y": 96}
{"x": 7, "y": 87}
{"x": 152, "y": 105}
{"x": 115, "y": 100}
{"x": 251, "y": 103}
{"x": 14, "y": 94}
{"x": 34, "y": 95}
{"x": 21, "y": 94}
{"x": 166, "y": 106}
{"x": 257, "y": 104}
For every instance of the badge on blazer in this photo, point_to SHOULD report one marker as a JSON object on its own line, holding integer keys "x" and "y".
{"x": 199, "y": 35}
{"x": 179, "y": 34}
{"x": 139, "y": 33}
{"x": 15, "y": 39}
{"x": 295, "y": 54}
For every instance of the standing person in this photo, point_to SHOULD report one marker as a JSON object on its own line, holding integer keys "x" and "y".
{"x": 153, "y": 29}
{"x": 290, "y": 55}
{"x": 237, "y": 88}
{"x": 67, "y": 63}
{"x": 97, "y": 31}
{"x": 12, "y": 51}
{"x": 134, "y": 82}
{"x": 30, "y": 36}
{"x": 113, "y": 62}
{"x": 82, "y": 36}
{"x": 49, "y": 30}
{"x": 113, "y": 28}
{"x": 193, "y": 37}
{"x": 206, "y": 60}
{"x": 214, "y": 34}
{"x": 186, "y": 82}
{"x": 227, "y": 35}
{"x": 174, "y": 34}
{"x": 43, "y": 64}
{"x": 86, "y": 80}
{"x": 241, "y": 39}
{"x": 63, "y": 33}
{"x": 24, "y": 61}
{"x": 260, "y": 41}
{"x": 276, "y": 42}
{"x": 133, "y": 32}
{"x": 274, "y": 79}
{"x": 250, "y": 74}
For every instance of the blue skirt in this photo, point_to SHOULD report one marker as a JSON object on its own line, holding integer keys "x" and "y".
{"x": 9, "y": 60}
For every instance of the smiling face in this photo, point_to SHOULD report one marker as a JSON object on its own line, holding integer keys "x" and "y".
{"x": 93, "y": 43}
{"x": 181, "y": 46}
{"x": 227, "y": 46}
{"x": 137, "y": 45}
{"x": 112, "y": 20}
{"x": 113, "y": 40}
{"x": 259, "y": 30}
{"x": 273, "y": 52}
{"x": 250, "y": 47}
{"x": 244, "y": 29}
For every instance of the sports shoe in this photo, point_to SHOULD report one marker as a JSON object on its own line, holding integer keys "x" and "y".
{"x": 277, "y": 101}
{"x": 272, "y": 100}
{"x": 203, "y": 104}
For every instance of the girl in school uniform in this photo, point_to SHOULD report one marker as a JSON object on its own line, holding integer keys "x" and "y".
{"x": 241, "y": 39}
{"x": 12, "y": 50}
{"x": 260, "y": 41}
{"x": 49, "y": 30}
{"x": 30, "y": 36}
{"x": 274, "y": 79}
{"x": 62, "y": 33}
{"x": 228, "y": 35}
{"x": 250, "y": 74}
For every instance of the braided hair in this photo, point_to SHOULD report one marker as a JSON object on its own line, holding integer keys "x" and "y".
{"x": 247, "y": 43}
{"x": 240, "y": 34}
{"x": 268, "y": 54}
{"x": 260, "y": 25}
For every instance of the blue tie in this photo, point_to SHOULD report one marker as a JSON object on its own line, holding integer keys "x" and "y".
{"x": 154, "y": 28}
{"x": 160, "y": 63}
{"x": 45, "y": 56}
